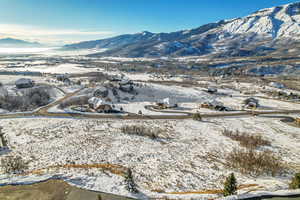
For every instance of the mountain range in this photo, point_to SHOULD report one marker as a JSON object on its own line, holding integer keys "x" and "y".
{"x": 10, "y": 42}
{"x": 271, "y": 31}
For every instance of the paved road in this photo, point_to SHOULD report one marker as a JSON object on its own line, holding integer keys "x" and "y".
{"x": 43, "y": 112}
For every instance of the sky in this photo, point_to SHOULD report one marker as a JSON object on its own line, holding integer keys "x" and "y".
{"x": 66, "y": 21}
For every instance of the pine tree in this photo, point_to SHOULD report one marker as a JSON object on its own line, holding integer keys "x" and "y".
{"x": 230, "y": 185}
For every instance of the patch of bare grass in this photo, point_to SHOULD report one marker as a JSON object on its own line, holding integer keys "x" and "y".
{"x": 246, "y": 140}
{"x": 255, "y": 163}
{"x": 13, "y": 164}
{"x": 141, "y": 130}
{"x": 77, "y": 100}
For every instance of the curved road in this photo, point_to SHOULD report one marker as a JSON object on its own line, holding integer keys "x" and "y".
{"x": 43, "y": 112}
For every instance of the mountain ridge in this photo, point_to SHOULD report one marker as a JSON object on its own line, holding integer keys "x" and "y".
{"x": 266, "y": 31}
{"x": 12, "y": 42}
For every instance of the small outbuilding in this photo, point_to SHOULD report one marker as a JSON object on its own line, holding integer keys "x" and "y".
{"x": 24, "y": 83}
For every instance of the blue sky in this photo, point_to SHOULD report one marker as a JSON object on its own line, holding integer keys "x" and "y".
{"x": 56, "y": 21}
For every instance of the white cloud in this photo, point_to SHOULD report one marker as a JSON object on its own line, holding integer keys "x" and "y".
{"x": 51, "y": 36}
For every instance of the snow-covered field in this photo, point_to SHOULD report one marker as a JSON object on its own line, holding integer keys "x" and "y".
{"x": 187, "y": 157}
{"x": 179, "y": 163}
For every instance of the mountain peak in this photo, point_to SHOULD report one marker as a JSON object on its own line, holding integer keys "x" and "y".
{"x": 146, "y": 33}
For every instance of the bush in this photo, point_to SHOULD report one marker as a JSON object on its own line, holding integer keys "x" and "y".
{"x": 31, "y": 98}
{"x": 141, "y": 130}
{"x": 246, "y": 140}
{"x": 197, "y": 117}
{"x": 230, "y": 185}
{"x": 255, "y": 163}
{"x": 38, "y": 96}
{"x": 295, "y": 183}
{"x": 13, "y": 164}
{"x": 78, "y": 100}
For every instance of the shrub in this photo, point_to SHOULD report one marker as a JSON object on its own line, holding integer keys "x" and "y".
{"x": 230, "y": 185}
{"x": 31, "y": 98}
{"x": 38, "y": 96}
{"x": 295, "y": 183}
{"x": 246, "y": 140}
{"x": 13, "y": 164}
{"x": 78, "y": 100}
{"x": 141, "y": 130}
{"x": 255, "y": 163}
{"x": 197, "y": 117}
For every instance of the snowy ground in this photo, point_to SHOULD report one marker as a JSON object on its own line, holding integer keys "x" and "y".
{"x": 177, "y": 164}
{"x": 179, "y": 161}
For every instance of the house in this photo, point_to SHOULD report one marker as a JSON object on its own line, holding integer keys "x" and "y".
{"x": 126, "y": 88}
{"x": 101, "y": 92}
{"x": 166, "y": 103}
{"x": 277, "y": 85}
{"x": 98, "y": 105}
{"x": 126, "y": 85}
{"x": 67, "y": 81}
{"x": 62, "y": 77}
{"x": 212, "y": 90}
{"x": 24, "y": 83}
{"x": 251, "y": 103}
{"x": 214, "y": 105}
{"x": 125, "y": 82}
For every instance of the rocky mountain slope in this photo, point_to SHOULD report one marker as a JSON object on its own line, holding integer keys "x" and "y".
{"x": 269, "y": 31}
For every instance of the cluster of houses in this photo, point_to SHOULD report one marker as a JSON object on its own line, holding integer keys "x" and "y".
{"x": 101, "y": 102}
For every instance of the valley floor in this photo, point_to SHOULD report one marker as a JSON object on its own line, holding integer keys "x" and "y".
{"x": 184, "y": 159}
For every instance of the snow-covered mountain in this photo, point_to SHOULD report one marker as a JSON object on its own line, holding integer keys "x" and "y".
{"x": 10, "y": 42}
{"x": 269, "y": 31}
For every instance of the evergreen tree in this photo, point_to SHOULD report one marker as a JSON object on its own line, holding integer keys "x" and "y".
{"x": 295, "y": 184}
{"x": 230, "y": 185}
